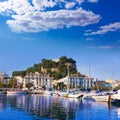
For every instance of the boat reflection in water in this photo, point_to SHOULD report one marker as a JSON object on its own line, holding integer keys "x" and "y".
{"x": 44, "y": 106}
{"x": 38, "y": 107}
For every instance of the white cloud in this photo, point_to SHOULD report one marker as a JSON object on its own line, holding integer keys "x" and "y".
{"x": 70, "y": 5}
{"x": 106, "y": 47}
{"x": 79, "y": 1}
{"x": 16, "y": 7}
{"x": 106, "y": 28}
{"x": 102, "y": 47}
{"x": 93, "y": 1}
{"x": 89, "y": 39}
{"x": 35, "y": 17}
{"x": 42, "y": 4}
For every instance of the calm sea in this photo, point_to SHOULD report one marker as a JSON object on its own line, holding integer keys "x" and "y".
{"x": 38, "y": 107}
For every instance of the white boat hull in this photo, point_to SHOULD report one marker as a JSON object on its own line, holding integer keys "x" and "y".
{"x": 70, "y": 95}
{"x": 99, "y": 98}
{"x": 104, "y": 98}
{"x": 75, "y": 95}
{"x": 16, "y": 92}
{"x": 2, "y": 92}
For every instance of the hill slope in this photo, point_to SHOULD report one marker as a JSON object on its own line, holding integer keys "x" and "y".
{"x": 56, "y": 68}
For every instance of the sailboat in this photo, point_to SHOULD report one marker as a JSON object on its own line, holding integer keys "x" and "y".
{"x": 100, "y": 97}
{"x": 75, "y": 94}
{"x": 115, "y": 99}
{"x": 68, "y": 93}
{"x": 97, "y": 96}
{"x": 16, "y": 91}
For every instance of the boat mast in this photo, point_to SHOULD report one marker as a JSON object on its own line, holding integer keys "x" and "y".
{"x": 89, "y": 74}
{"x": 96, "y": 83}
{"x": 89, "y": 69}
{"x": 68, "y": 78}
{"x": 76, "y": 81}
{"x": 112, "y": 77}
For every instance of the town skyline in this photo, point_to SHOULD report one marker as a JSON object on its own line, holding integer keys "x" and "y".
{"x": 85, "y": 30}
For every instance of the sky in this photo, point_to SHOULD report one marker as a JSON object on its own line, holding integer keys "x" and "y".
{"x": 86, "y": 30}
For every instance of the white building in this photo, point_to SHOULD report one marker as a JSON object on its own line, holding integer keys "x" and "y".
{"x": 38, "y": 80}
{"x": 4, "y": 77}
{"x": 84, "y": 82}
{"x": 19, "y": 80}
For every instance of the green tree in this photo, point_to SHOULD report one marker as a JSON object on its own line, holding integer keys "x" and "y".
{"x": 61, "y": 68}
{"x": 70, "y": 60}
{"x": 12, "y": 83}
{"x": 63, "y": 59}
{"x": 29, "y": 85}
{"x": 19, "y": 73}
{"x": 1, "y": 83}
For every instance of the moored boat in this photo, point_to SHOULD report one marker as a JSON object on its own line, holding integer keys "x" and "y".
{"x": 115, "y": 99}
{"x": 77, "y": 96}
{"x": 100, "y": 97}
{"x": 15, "y": 92}
{"x": 50, "y": 93}
{"x": 2, "y": 91}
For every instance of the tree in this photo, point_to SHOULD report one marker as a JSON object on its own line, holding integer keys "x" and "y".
{"x": 1, "y": 83}
{"x": 61, "y": 68}
{"x": 19, "y": 73}
{"x": 29, "y": 85}
{"x": 71, "y": 61}
{"x": 63, "y": 59}
{"x": 13, "y": 82}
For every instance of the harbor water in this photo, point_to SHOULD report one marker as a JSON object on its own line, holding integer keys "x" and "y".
{"x": 38, "y": 107}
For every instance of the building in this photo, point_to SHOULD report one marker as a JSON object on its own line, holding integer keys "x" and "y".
{"x": 38, "y": 80}
{"x": 44, "y": 70}
{"x": 83, "y": 82}
{"x": 4, "y": 77}
{"x": 55, "y": 60}
{"x": 112, "y": 83}
{"x": 19, "y": 80}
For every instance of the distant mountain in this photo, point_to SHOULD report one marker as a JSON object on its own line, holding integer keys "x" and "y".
{"x": 56, "y": 68}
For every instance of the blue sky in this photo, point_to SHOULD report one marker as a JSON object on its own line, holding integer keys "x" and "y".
{"x": 84, "y": 30}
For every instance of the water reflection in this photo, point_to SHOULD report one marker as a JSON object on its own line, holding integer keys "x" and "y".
{"x": 38, "y": 107}
{"x": 116, "y": 107}
{"x": 42, "y": 106}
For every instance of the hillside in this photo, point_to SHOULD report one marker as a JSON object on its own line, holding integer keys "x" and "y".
{"x": 56, "y": 68}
